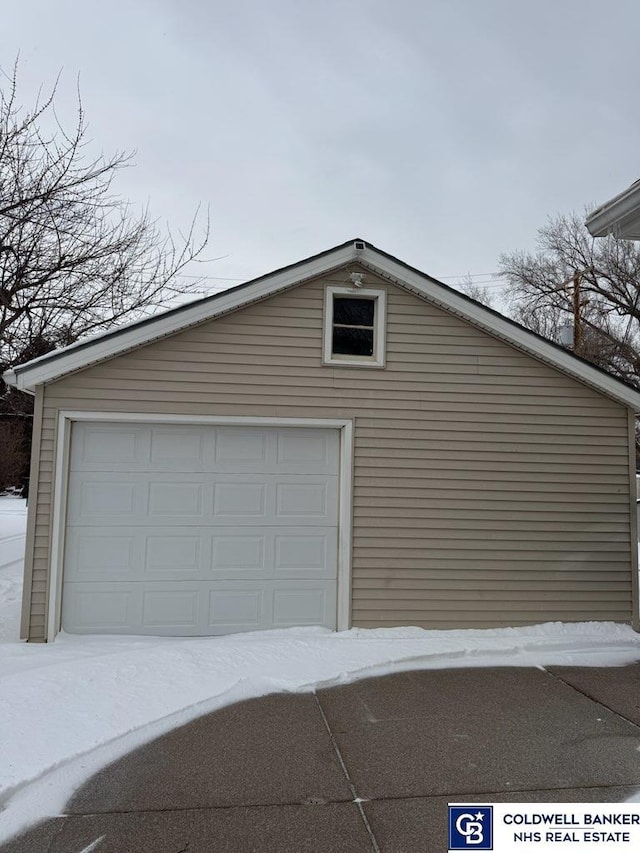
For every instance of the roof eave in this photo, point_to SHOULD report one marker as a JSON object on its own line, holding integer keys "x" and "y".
{"x": 76, "y": 357}
{"x": 620, "y": 216}
{"x": 9, "y": 376}
{"x": 493, "y": 323}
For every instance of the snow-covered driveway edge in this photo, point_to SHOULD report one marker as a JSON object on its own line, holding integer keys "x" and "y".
{"x": 71, "y": 707}
{"x": 76, "y": 705}
{"x": 46, "y": 796}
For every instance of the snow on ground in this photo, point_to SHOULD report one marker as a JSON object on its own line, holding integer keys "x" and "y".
{"x": 73, "y": 706}
{"x": 12, "y": 529}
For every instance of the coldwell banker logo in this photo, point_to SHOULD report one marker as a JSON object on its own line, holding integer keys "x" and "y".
{"x": 471, "y": 827}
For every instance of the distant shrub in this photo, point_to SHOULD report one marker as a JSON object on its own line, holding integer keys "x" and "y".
{"x": 14, "y": 454}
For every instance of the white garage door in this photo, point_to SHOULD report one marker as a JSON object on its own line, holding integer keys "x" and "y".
{"x": 199, "y": 530}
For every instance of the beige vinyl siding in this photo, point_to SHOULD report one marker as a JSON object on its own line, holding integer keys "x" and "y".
{"x": 489, "y": 488}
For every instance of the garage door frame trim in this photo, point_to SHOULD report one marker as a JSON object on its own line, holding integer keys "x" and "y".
{"x": 66, "y": 419}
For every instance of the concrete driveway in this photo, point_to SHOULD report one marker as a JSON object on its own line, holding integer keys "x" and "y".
{"x": 365, "y": 767}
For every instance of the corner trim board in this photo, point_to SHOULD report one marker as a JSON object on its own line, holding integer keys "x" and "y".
{"x": 29, "y": 545}
{"x": 59, "y": 520}
{"x": 633, "y": 523}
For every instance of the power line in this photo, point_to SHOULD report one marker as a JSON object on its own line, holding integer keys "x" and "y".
{"x": 214, "y": 277}
{"x": 472, "y": 275}
{"x": 484, "y": 284}
{"x": 504, "y": 283}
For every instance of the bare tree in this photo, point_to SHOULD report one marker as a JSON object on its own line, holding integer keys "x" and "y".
{"x": 14, "y": 454}
{"x": 476, "y": 291}
{"x": 74, "y": 257}
{"x": 591, "y": 283}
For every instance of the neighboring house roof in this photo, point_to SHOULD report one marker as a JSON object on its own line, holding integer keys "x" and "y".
{"x": 620, "y": 216}
{"x": 61, "y": 362}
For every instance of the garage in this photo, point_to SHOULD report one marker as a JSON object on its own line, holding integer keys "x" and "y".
{"x": 343, "y": 442}
{"x": 195, "y": 529}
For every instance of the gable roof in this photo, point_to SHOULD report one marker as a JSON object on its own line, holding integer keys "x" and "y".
{"x": 107, "y": 345}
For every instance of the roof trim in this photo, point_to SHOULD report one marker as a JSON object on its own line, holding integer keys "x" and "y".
{"x": 77, "y": 356}
{"x": 508, "y": 330}
{"x": 109, "y": 344}
{"x": 619, "y": 216}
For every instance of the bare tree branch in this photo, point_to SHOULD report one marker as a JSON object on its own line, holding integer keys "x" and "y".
{"x": 541, "y": 295}
{"x": 476, "y": 291}
{"x": 74, "y": 256}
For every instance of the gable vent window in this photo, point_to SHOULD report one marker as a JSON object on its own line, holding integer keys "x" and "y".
{"x": 354, "y": 327}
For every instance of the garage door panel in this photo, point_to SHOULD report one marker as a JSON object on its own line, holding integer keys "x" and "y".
{"x": 141, "y": 498}
{"x": 110, "y": 447}
{"x": 171, "y": 499}
{"x": 275, "y": 553}
{"x": 269, "y": 451}
{"x": 308, "y": 500}
{"x": 181, "y": 449}
{"x": 200, "y": 530}
{"x": 287, "y": 499}
{"x": 306, "y": 551}
{"x": 104, "y": 499}
{"x": 240, "y": 500}
{"x": 240, "y": 449}
{"x": 148, "y": 498}
{"x": 238, "y": 609}
{"x": 298, "y": 450}
{"x": 139, "y": 447}
{"x": 196, "y": 608}
{"x": 303, "y": 605}
{"x": 164, "y": 447}
{"x": 235, "y": 551}
{"x": 92, "y": 554}
{"x": 200, "y": 553}
{"x": 171, "y": 609}
{"x": 280, "y": 604}
{"x": 175, "y": 553}
{"x": 105, "y": 607}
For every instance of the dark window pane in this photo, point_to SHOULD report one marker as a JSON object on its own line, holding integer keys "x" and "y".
{"x": 352, "y": 341}
{"x": 353, "y": 312}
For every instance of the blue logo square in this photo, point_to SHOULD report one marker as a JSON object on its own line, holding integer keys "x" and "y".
{"x": 471, "y": 827}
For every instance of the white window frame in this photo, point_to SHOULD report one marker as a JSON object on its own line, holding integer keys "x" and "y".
{"x": 379, "y": 298}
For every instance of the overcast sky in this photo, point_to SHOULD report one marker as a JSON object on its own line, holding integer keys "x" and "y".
{"x": 443, "y": 131}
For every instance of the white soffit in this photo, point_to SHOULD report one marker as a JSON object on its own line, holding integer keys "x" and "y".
{"x": 620, "y": 216}
{"x": 77, "y": 356}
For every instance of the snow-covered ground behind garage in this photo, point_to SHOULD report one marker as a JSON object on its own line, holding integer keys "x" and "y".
{"x": 72, "y": 706}
{"x": 12, "y": 531}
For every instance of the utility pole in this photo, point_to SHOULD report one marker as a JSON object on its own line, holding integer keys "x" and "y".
{"x": 575, "y": 280}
